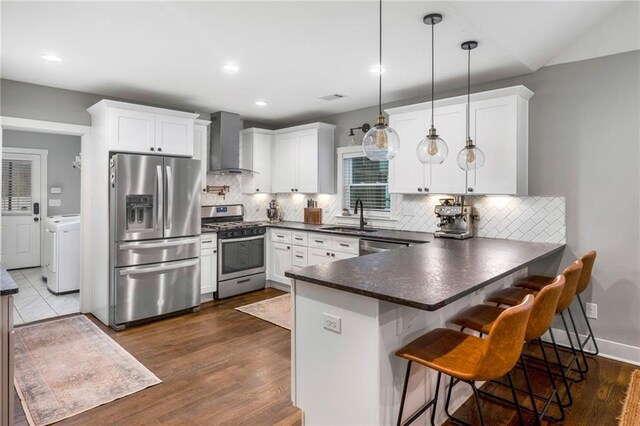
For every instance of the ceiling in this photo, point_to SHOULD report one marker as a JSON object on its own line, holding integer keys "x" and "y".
{"x": 290, "y": 53}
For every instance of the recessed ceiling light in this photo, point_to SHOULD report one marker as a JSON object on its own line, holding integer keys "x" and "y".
{"x": 231, "y": 68}
{"x": 51, "y": 57}
{"x": 377, "y": 69}
{"x": 261, "y": 103}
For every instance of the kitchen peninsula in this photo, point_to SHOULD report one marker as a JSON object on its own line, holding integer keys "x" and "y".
{"x": 351, "y": 316}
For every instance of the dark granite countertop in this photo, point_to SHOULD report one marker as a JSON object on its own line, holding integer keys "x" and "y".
{"x": 8, "y": 285}
{"x": 379, "y": 234}
{"x": 428, "y": 276}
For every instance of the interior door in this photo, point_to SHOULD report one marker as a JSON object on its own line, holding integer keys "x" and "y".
{"x": 21, "y": 225}
{"x": 182, "y": 197}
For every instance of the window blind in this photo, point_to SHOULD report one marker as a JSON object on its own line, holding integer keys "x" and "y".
{"x": 367, "y": 180}
{"x": 16, "y": 186}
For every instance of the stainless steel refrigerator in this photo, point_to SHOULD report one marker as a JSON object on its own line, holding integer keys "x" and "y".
{"x": 155, "y": 237}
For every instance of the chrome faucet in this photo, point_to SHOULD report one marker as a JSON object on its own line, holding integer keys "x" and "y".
{"x": 362, "y": 221}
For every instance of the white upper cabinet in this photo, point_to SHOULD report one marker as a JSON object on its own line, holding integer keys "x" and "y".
{"x": 256, "y": 147}
{"x": 145, "y": 130}
{"x": 200, "y": 149}
{"x": 174, "y": 135}
{"x": 303, "y": 159}
{"x": 407, "y": 174}
{"x": 498, "y": 125}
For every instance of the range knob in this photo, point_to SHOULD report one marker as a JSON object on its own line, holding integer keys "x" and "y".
{"x": 234, "y": 234}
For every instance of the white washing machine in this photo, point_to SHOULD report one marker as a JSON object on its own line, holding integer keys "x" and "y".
{"x": 62, "y": 253}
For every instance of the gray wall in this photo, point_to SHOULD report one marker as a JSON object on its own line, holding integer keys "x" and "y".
{"x": 584, "y": 144}
{"x": 584, "y": 141}
{"x": 62, "y": 151}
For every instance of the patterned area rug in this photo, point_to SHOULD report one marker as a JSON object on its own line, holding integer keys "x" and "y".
{"x": 68, "y": 366}
{"x": 631, "y": 408}
{"x": 276, "y": 310}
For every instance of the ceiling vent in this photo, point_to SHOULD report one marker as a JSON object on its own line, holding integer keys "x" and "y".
{"x": 332, "y": 97}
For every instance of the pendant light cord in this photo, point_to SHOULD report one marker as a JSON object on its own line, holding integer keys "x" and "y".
{"x": 432, "y": 67}
{"x": 468, "y": 92}
{"x": 380, "y": 66}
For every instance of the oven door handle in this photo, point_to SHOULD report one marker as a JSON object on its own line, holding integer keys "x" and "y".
{"x": 239, "y": 240}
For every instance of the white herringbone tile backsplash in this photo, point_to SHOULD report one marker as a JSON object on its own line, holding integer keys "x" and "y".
{"x": 539, "y": 219}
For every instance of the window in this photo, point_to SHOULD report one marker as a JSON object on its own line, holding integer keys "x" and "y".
{"x": 367, "y": 180}
{"x": 16, "y": 186}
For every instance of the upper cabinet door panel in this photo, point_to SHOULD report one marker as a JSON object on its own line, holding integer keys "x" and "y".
{"x": 448, "y": 178}
{"x": 494, "y": 125}
{"x": 406, "y": 172}
{"x": 286, "y": 157}
{"x": 132, "y": 131}
{"x": 174, "y": 135}
{"x": 307, "y": 161}
{"x": 262, "y": 161}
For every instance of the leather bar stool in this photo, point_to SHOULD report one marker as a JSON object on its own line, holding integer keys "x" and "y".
{"x": 481, "y": 318}
{"x": 513, "y": 295}
{"x": 536, "y": 282}
{"x": 469, "y": 358}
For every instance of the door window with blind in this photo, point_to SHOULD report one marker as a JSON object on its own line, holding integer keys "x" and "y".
{"x": 366, "y": 180}
{"x": 16, "y": 186}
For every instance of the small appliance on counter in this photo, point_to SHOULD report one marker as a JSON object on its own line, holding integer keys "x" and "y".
{"x": 273, "y": 212}
{"x": 456, "y": 219}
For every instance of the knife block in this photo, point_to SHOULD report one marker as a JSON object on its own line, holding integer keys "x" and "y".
{"x": 313, "y": 215}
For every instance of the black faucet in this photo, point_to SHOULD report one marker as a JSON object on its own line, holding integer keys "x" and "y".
{"x": 362, "y": 221}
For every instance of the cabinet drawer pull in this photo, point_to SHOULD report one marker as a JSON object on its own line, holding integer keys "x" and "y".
{"x": 299, "y": 257}
{"x": 319, "y": 241}
{"x": 344, "y": 245}
{"x": 280, "y": 236}
{"x": 244, "y": 281}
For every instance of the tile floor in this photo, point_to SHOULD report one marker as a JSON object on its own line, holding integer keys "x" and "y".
{"x": 34, "y": 302}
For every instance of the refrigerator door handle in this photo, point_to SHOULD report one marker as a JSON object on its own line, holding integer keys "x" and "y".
{"x": 159, "y": 244}
{"x": 169, "y": 199}
{"x": 150, "y": 269}
{"x": 158, "y": 198}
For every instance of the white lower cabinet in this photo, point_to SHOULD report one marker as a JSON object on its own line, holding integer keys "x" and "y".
{"x": 280, "y": 261}
{"x": 208, "y": 264}
{"x": 291, "y": 250}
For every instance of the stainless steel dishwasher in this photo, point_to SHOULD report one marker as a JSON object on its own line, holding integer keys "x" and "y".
{"x": 375, "y": 246}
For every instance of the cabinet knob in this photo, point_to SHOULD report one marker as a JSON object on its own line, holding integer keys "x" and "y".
{"x": 151, "y": 149}
{"x": 215, "y": 251}
{"x": 288, "y": 247}
{"x": 426, "y": 190}
{"x": 296, "y": 189}
{"x": 292, "y": 190}
{"x": 470, "y": 189}
{"x": 419, "y": 189}
{"x": 333, "y": 255}
{"x": 257, "y": 189}
{"x": 328, "y": 254}
{"x": 159, "y": 149}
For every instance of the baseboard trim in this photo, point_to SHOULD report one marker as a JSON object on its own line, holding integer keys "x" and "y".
{"x": 608, "y": 349}
{"x": 279, "y": 286}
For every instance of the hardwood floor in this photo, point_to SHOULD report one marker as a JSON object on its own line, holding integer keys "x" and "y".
{"x": 217, "y": 366}
{"x": 220, "y": 366}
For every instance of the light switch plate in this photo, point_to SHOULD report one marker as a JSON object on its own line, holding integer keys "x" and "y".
{"x": 56, "y": 190}
{"x": 332, "y": 323}
{"x": 55, "y": 202}
{"x": 592, "y": 310}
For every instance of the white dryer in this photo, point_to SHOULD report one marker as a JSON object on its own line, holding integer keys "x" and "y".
{"x": 62, "y": 253}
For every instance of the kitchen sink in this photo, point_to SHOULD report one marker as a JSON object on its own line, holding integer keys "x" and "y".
{"x": 349, "y": 229}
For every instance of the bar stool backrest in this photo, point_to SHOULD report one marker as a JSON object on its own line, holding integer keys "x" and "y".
{"x": 544, "y": 309}
{"x": 585, "y": 276}
{"x": 503, "y": 345}
{"x": 571, "y": 276}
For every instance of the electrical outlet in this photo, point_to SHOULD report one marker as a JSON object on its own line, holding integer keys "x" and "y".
{"x": 331, "y": 323}
{"x": 592, "y": 310}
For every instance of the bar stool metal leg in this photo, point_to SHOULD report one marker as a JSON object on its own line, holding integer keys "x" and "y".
{"x": 425, "y": 407}
{"x": 560, "y": 366}
{"x": 404, "y": 392}
{"x": 534, "y": 406}
{"x": 591, "y": 335}
{"x": 553, "y": 381}
{"x": 476, "y": 395}
{"x": 573, "y": 351}
{"x": 575, "y": 329}
{"x": 515, "y": 399}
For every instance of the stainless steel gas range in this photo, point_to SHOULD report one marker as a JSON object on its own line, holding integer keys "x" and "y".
{"x": 241, "y": 249}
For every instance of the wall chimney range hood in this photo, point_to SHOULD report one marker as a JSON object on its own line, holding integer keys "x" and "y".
{"x": 225, "y": 145}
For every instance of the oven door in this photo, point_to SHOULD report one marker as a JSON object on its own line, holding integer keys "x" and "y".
{"x": 239, "y": 257}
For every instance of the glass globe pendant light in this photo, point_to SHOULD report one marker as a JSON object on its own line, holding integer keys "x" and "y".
{"x": 432, "y": 149}
{"x": 381, "y": 142}
{"x": 470, "y": 157}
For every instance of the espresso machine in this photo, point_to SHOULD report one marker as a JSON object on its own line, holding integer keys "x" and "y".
{"x": 456, "y": 219}
{"x": 273, "y": 212}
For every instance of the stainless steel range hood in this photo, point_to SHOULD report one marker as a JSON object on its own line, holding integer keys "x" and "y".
{"x": 225, "y": 145}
